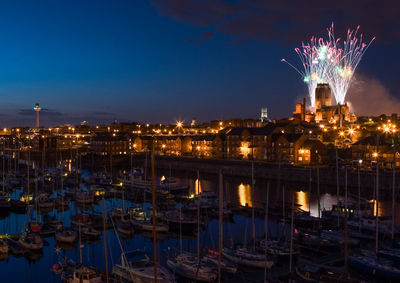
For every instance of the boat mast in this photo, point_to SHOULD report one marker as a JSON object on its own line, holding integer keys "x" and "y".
{"x": 145, "y": 182}
{"x": 283, "y": 210}
{"x": 198, "y": 217}
{"x": 393, "y": 188}
{"x": 80, "y": 240}
{"x": 319, "y": 204}
{"x": 337, "y": 183}
{"x": 309, "y": 193}
{"x": 28, "y": 182}
{"x": 291, "y": 236}
{"x": 266, "y": 233}
{"x": 180, "y": 229}
{"x": 220, "y": 220}
{"x": 359, "y": 196}
{"x": 377, "y": 195}
{"x": 346, "y": 231}
{"x": 131, "y": 175}
{"x": 3, "y": 167}
{"x": 105, "y": 239}
{"x": 43, "y": 160}
{"x": 153, "y": 196}
{"x": 62, "y": 189}
{"x": 37, "y": 194}
{"x": 253, "y": 226}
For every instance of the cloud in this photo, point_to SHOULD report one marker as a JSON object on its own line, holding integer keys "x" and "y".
{"x": 368, "y": 96}
{"x": 101, "y": 113}
{"x": 285, "y": 20}
{"x": 45, "y": 112}
{"x": 202, "y": 38}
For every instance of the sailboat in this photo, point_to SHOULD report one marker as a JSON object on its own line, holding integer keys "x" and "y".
{"x": 4, "y": 199}
{"x": 141, "y": 269}
{"x": 212, "y": 259}
{"x": 83, "y": 274}
{"x": 141, "y": 222}
{"x": 190, "y": 266}
{"x": 369, "y": 264}
{"x": 31, "y": 241}
{"x": 245, "y": 256}
{"x": 187, "y": 265}
{"x": 147, "y": 225}
{"x": 67, "y": 236}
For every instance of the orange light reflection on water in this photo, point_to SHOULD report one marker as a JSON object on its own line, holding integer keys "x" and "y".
{"x": 244, "y": 193}
{"x": 302, "y": 199}
{"x": 197, "y": 187}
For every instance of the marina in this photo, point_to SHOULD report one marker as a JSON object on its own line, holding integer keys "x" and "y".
{"x": 61, "y": 227}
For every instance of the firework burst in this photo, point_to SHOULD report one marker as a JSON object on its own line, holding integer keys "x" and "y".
{"x": 348, "y": 56}
{"x": 330, "y": 61}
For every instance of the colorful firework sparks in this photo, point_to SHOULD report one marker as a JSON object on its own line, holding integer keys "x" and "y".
{"x": 348, "y": 56}
{"x": 316, "y": 57}
{"x": 330, "y": 61}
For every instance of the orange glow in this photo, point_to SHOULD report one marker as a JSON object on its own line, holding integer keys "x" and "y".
{"x": 379, "y": 210}
{"x": 197, "y": 187}
{"x": 302, "y": 199}
{"x": 244, "y": 149}
{"x": 244, "y": 193}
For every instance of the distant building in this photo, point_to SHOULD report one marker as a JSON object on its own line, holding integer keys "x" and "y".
{"x": 325, "y": 111}
{"x": 323, "y": 96}
{"x": 110, "y": 144}
{"x": 264, "y": 115}
{"x": 300, "y": 112}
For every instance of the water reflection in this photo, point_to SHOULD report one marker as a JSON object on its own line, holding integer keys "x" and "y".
{"x": 310, "y": 203}
{"x": 380, "y": 210}
{"x": 302, "y": 199}
{"x": 244, "y": 193}
{"x": 197, "y": 187}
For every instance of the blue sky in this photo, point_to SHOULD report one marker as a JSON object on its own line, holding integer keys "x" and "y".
{"x": 127, "y": 60}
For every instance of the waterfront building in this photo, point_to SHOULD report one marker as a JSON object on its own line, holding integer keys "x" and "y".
{"x": 285, "y": 147}
{"x": 366, "y": 150}
{"x": 110, "y": 144}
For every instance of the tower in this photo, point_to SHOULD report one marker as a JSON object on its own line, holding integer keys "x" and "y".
{"x": 37, "y": 108}
{"x": 323, "y": 96}
{"x": 264, "y": 114}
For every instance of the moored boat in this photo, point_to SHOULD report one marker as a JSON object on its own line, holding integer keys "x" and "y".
{"x": 66, "y": 236}
{"x": 141, "y": 269}
{"x": 31, "y": 241}
{"x": 245, "y": 257}
{"x": 187, "y": 265}
{"x": 382, "y": 269}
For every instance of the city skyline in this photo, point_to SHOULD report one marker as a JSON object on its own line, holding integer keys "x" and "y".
{"x": 175, "y": 60}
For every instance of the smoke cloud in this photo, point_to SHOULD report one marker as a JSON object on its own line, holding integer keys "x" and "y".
{"x": 368, "y": 96}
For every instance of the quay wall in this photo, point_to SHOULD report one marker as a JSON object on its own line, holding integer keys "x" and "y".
{"x": 278, "y": 173}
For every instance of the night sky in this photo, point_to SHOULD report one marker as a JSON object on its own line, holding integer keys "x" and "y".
{"x": 161, "y": 61}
